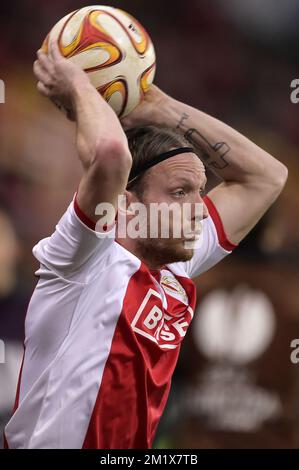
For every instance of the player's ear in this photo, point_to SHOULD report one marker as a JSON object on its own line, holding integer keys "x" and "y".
{"x": 127, "y": 199}
{"x": 131, "y": 196}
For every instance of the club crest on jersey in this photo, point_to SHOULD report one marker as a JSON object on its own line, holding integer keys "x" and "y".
{"x": 172, "y": 286}
{"x": 152, "y": 322}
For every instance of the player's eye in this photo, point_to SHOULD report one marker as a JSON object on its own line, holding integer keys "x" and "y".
{"x": 179, "y": 193}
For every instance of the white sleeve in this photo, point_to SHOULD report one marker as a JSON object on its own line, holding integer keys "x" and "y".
{"x": 212, "y": 246}
{"x": 75, "y": 247}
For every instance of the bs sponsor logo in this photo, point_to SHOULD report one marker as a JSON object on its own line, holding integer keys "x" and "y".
{"x": 152, "y": 322}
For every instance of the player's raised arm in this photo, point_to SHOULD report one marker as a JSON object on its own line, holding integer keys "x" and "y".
{"x": 101, "y": 142}
{"x": 252, "y": 179}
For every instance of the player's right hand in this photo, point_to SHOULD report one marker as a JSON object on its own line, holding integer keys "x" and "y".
{"x": 148, "y": 110}
{"x": 58, "y": 78}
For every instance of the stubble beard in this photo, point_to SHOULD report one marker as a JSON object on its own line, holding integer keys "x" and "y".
{"x": 163, "y": 251}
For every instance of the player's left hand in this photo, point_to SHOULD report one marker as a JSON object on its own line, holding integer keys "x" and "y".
{"x": 147, "y": 112}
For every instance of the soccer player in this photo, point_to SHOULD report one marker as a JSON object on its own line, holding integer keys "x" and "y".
{"x": 106, "y": 320}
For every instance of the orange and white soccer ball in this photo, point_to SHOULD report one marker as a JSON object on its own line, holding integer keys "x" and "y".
{"x": 114, "y": 50}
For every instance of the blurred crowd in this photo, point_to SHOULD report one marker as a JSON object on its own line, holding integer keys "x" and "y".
{"x": 235, "y": 385}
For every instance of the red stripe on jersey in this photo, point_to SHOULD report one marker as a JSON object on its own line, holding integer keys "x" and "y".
{"x": 17, "y": 397}
{"x": 86, "y": 220}
{"x": 222, "y": 238}
{"x": 16, "y": 404}
{"x": 137, "y": 375}
{"x": 19, "y": 385}
{"x": 5, "y": 444}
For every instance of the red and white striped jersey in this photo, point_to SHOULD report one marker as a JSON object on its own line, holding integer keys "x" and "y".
{"x": 102, "y": 338}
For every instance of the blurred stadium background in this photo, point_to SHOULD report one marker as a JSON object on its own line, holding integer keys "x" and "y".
{"x": 235, "y": 385}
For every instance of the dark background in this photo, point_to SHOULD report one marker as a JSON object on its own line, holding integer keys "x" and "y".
{"x": 235, "y": 59}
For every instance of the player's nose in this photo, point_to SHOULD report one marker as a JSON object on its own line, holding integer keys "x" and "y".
{"x": 205, "y": 212}
{"x": 199, "y": 210}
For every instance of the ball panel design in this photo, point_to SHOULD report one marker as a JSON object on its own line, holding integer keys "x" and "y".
{"x": 146, "y": 78}
{"x": 55, "y": 31}
{"x": 137, "y": 34}
{"x": 116, "y": 94}
{"x": 69, "y": 36}
{"x": 91, "y": 36}
{"x": 112, "y": 48}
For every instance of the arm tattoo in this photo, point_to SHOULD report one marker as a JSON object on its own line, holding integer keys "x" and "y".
{"x": 214, "y": 157}
{"x": 211, "y": 155}
{"x": 184, "y": 116}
